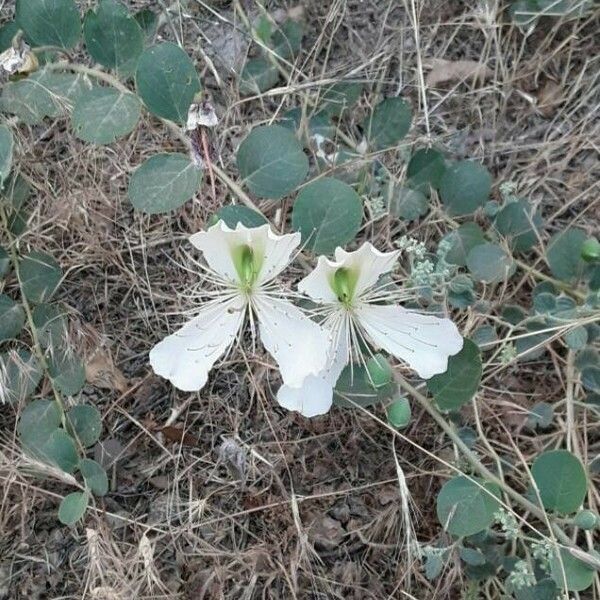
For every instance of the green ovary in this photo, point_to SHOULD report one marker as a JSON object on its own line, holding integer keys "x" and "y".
{"x": 343, "y": 285}
{"x": 247, "y": 265}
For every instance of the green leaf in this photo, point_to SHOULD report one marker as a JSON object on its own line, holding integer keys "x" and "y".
{"x": 315, "y": 124}
{"x": 12, "y": 318}
{"x": 257, "y": 76}
{"x": 406, "y": 203}
{"x": 167, "y": 81}
{"x": 471, "y": 556}
{"x": 20, "y": 374}
{"x": 464, "y": 187}
{"x": 51, "y": 325}
{"x": 543, "y": 590}
{"x": 66, "y": 370}
{"x": 354, "y": 385}
{"x": 94, "y": 476}
{"x": 113, "y": 37}
{"x": 379, "y": 371}
{"x": 590, "y": 250}
{"x": 271, "y": 161}
{"x": 564, "y": 254}
{"x": 388, "y": 123}
{"x": 286, "y": 41}
{"x": 102, "y": 115}
{"x": 399, "y": 413}
{"x": 40, "y": 275}
{"x": 72, "y": 508}
{"x": 490, "y": 263}
{"x": 339, "y": 97}
{"x": 425, "y": 169}
{"x": 461, "y": 241}
{"x": 85, "y": 423}
{"x": 38, "y": 421}
{"x": 234, "y": 214}
{"x": 586, "y": 520}
{"x": 560, "y": 479}
{"x": 590, "y": 379}
{"x": 4, "y": 262}
{"x": 569, "y": 572}
{"x": 541, "y": 415}
{"x": 6, "y": 153}
{"x": 49, "y": 22}
{"x": 7, "y": 33}
{"x": 520, "y": 223}
{"x": 466, "y": 506}
{"x": 328, "y": 213}
{"x": 147, "y": 20}
{"x": 577, "y": 338}
{"x": 57, "y": 449}
{"x": 163, "y": 183}
{"x": 459, "y": 383}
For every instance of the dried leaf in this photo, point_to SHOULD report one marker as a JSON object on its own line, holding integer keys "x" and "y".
{"x": 549, "y": 97}
{"x": 179, "y": 435}
{"x": 443, "y": 71}
{"x": 101, "y": 372}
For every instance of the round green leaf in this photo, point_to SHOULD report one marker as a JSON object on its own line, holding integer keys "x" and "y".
{"x": 425, "y": 169}
{"x": 147, "y": 20}
{"x": 6, "y": 152}
{"x": 490, "y": 263}
{"x": 38, "y": 420}
{"x": 466, "y": 506}
{"x": 379, "y": 371}
{"x": 233, "y": 214}
{"x": 586, "y": 520}
{"x": 459, "y": 383}
{"x": 85, "y": 423}
{"x": 40, "y": 275}
{"x": 51, "y": 325}
{"x": 94, "y": 476}
{"x": 163, "y": 183}
{"x": 4, "y": 262}
{"x": 398, "y": 413}
{"x": 257, "y": 76}
{"x": 541, "y": 415}
{"x": 49, "y": 22}
{"x": 560, "y": 479}
{"x": 569, "y": 572}
{"x": 327, "y": 213}
{"x": 406, "y": 203}
{"x": 66, "y": 370}
{"x": 519, "y": 223}
{"x": 461, "y": 241}
{"x": 167, "y": 81}
{"x": 564, "y": 254}
{"x": 12, "y": 318}
{"x": 287, "y": 40}
{"x": 590, "y": 378}
{"x": 104, "y": 114}
{"x": 354, "y": 385}
{"x": 20, "y": 374}
{"x": 271, "y": 161}
{"x": 72, "y": 508}
{"x": 58, "y": 449}
{"x": 339, "y": 97}
{"x": 590, "y": 250}
{"x": 7, "y": 33}
{"x": 113, "y": 37}
{"x": 388, "y": 123}
{"x": 464, "y": 187}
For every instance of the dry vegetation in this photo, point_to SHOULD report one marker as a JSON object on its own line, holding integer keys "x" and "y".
{"x": 222, "y": 494}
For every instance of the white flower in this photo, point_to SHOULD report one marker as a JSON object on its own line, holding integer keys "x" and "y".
{"x": 354, "y": 313}
{"x": 243, "y": 263}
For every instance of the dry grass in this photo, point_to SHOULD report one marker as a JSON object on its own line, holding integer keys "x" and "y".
{"x": 257, "y": 502}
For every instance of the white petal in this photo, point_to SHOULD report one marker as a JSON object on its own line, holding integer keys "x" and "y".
{"x": 370, "y": 263}
{"x": 186, "y": 357}
{"x": 272, "y": 250}
{"x": 425, "y": 342}
{"x": 316, "y": 394}
{"x": 313, "y": 398}
{"x": 367, "y": 262}
{"x": 298, "y": 344}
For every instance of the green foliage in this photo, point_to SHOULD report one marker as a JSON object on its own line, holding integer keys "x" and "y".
{"x": 85, "y": 424}
{"x": 20, "y": 374}
{"x": 72, "y": 508}
{"x": 462, "y": 241}
{"x": 569, "y": 572}
{"x": 39, "y": 275}
{"x": 57, "y": 449}
{"x": 315, "y": 124}
{"x": 354, "y": 386}
{"x": 94, "y": 476}
{"x": 425, "y": 169}
{"x": 271, "y": 161}
{"x": 399, "y": 413}
{"x": 459, "y": 383}
{"x": 6, "y": 153}
{"x": 66, "y": 370}
{"x": 564, "y": 254}
{"x": 586, "y": 520}
{"x": 541, "y": 415}
{"x": 466, "y": 506}
{"x": 50, "y": 323}
{"x": 519, "y": 223}
{"x": 590, "y": 250}
{"x": 38, "y": 421}
{"x": 257, "y": 76}
{"x": 163, "y": 183}
{"x": 147, "y": 20}
{"x": 490, "y": 263}
{"x": 388, "y": 123}
{"x": 167, "y": 81}
{"x": 12, "y": 318}
{"x": 113, "y": 37}
{"x": 102, "y": 115}
{"x": 590, "y": 378}
{"x": 7, "y": 32}
{"x": 49, "y": 22}
{"x": 286, "y": 41}
{"x": 233, "y": 214}
{"x": 327, "y": 213}
{"x": 560, "y": 479}
{"x": 379, "y": 371}
{"x": 406, "y": 203}
{"x": 339, "y": 97}
{"x": 464, "y": 187}
{"x": 4, "y": 262}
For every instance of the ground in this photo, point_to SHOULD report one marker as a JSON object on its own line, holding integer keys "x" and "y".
{"x": 223, "y": 494}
